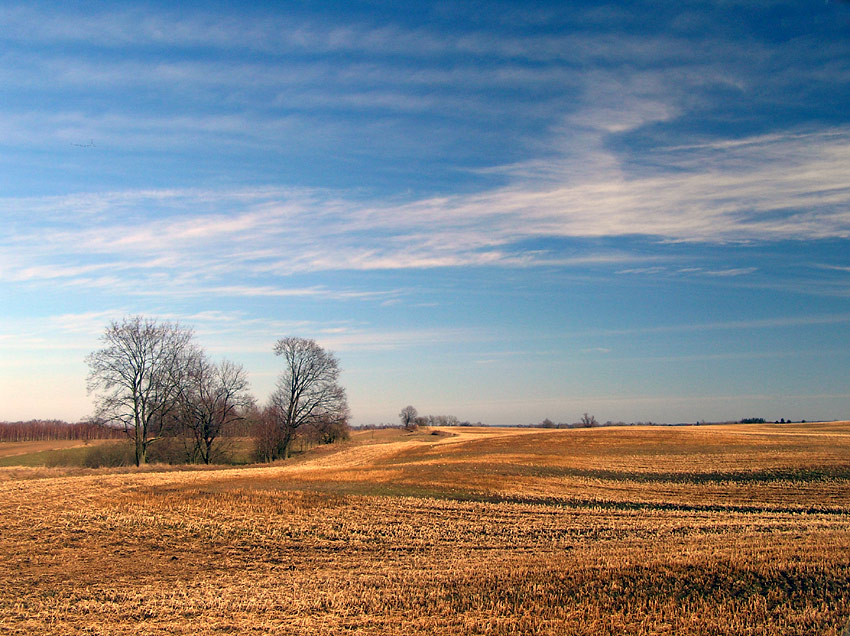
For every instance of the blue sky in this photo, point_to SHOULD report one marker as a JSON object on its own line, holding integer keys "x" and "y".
{"x": 502, "y": 211}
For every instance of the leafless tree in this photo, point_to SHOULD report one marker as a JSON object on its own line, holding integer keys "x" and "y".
{"x": 266, "y": 433}
{"x": 442, "y": 420}
{"x": 137, "y": 376}
{"x": 326, "y": 431}
{"x": 588, "y": 421}
{"x": 212, "y": 397}
{"x": 308, "y": 391}
{"x": 55, "y": 429}
{"x": 408, "y": 417}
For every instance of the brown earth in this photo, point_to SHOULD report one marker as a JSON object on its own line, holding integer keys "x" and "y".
{"x": 702, "y": 530}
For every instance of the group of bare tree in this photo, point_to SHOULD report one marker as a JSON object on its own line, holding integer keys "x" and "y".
{"x": 446, "y": 420}
{"x": 41, "y": 430}
{"x": 153, "y": 381}
{"x": 586, "y": 421}
{"x": 411, "y": 420}
{"x": 308, "y": 397}
{"x": 211, "y": 397}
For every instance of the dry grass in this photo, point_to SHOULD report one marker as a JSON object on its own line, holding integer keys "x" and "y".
{"x": 13, "y": 449}
{"x": 715, "y": 530}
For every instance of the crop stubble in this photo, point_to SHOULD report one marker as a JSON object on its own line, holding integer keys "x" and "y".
{"x": 730, "y": 530}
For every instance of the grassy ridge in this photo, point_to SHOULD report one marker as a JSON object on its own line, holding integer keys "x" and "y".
{"x": 111, "y": 453}
{"x": 499, "y": 537}
{"x": 74, "y": 454}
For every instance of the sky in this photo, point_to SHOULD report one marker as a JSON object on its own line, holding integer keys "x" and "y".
{"x": 504, "y": 211}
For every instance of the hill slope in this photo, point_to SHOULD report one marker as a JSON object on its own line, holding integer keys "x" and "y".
{"x": 739, "y": 529}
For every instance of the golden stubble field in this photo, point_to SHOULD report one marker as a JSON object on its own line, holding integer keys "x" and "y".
{"x": 705, "y": 530}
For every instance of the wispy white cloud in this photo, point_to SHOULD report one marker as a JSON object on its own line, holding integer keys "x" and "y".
{"x": 47, "y": 272}
{"x": 87, "y": 323}
{"x": 377, "y": 340}
{"x": 523, "y": 154}
{"x": 838, "y": 268}
{"x": 247, "y": 291}
{"x": 791, "y": 188}
{"x": 642, "y": 270}
{"x": 730, "y": 272}
{"x": 766, "y": 323}
{"x": 278, "y": 35}
{"x": 236, "y": 335}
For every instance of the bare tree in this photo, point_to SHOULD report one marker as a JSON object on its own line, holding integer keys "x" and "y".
{"x": 266, "y": 434}
{"x": 308, "y": 391}
{"x": 137, "y": 376}
{"x": 326, "y": 431}
{"x": 212, "y": 397}
{"x": 408, "y": 417}
{"x": 442, "y": 420}
{"x": 588, "y": 421}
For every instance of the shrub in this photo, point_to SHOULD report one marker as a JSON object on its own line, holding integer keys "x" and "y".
{"x": 110, "y": 454}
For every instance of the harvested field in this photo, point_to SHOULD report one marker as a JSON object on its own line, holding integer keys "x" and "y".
{"x": 705, "y": 530}
{"x": 14, "y": 449}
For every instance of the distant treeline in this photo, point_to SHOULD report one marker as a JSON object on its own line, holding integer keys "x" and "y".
{"x": 590, "y": 422}
{"x": 421, "y": 420}
{"x": 40, "y": 430}
{"x": 547, "y": 423}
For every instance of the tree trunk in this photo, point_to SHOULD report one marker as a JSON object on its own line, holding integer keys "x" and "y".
{"x": 140, "y": 448}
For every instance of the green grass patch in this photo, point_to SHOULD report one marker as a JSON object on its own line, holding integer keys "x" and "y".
{"x": 109, "y": 453}
{"x": 113, "y": 453}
